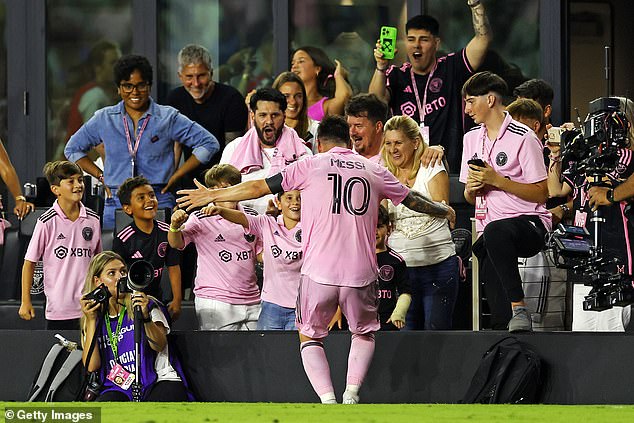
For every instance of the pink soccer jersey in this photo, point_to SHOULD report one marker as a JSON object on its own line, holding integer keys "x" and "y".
{"x": 226, "y": 259}
{"x": 65, "y": 248}
{"x": 282, "y": 253}
{"x": 517, "y": 155}
{"x": 341, "y": 191}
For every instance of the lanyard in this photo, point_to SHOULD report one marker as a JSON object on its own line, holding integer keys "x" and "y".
{"x": 421, "y": 107}
{"x": 137, "y": 141}
{"x": 484, "y": 137}
{"x": 114, "y": 337}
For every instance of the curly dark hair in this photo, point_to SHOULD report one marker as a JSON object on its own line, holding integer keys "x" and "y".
{"x": 128, "y": 64}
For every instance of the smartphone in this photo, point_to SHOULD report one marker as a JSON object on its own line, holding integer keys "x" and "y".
{"x": 388, "y": 42}
{"x": 476, "y": 162}
{"x": 554, "y": 135}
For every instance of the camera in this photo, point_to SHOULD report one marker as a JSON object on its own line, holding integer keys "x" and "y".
{"x": 140, "y": 275}
{"x": 593, "y": 153}
{"x": 595, "y": 149}
{"x": 99, "y": 295}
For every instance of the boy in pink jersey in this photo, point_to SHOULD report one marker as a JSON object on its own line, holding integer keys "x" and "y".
{"x": 282, "y": 256}
{"x": 227, "y": 296}
{"x": 509, "y": 189}
{"x": 341, "y": 191}
{"x": 65, "y": 238}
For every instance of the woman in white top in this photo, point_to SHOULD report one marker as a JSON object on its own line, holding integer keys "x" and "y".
{"x": 423, "y": 241}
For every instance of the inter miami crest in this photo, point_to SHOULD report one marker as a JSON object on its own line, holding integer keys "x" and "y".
{"x": 298, "y": 235}
{"x": 386, "y": 272}
{"x": 249, "y": 237}
{"x": 87, "y": 233}
{"x": 501, "y": 158}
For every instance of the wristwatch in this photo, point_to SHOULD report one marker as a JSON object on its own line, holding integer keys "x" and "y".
{"x": 610, "y": 196}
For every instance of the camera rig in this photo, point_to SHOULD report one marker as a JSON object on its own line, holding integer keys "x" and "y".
{"x": 593, "y": 153}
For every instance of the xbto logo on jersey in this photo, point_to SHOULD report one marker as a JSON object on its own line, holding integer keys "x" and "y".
{"x": 276, "y": 251}
{"x": 225, "y": 256}
{"x": 61, "y": 252}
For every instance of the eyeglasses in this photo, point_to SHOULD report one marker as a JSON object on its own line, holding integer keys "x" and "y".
{"x": 140, "y": 87}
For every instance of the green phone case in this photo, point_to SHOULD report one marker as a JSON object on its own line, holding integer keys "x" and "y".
{"x": 388, "y": 42}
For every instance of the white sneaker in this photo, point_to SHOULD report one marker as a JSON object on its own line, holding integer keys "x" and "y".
{"x": 350, "y": 398}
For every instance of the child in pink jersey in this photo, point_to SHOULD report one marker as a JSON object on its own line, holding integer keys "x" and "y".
{"x": 227, "y": 296}
{"x": 341, "y": 191}
{"x": 282, "y": 257}
{"x": 65, "y": 238}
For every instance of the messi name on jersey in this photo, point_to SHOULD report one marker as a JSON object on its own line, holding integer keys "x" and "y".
{"x": 346, "y": 164}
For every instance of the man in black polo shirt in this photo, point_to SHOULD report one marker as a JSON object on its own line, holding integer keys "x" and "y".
{"x": 427, "y": 88}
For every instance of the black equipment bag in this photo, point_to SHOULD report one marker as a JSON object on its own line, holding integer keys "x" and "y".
{"x": 509, "y": 373}
{"x": 60, "y": 378}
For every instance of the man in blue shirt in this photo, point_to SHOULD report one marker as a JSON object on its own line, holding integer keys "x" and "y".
{"x": 138, "y": 135}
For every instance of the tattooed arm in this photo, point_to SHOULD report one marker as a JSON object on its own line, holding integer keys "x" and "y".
{"x": 418, "y": 202}
{"x": 477, "y": 47}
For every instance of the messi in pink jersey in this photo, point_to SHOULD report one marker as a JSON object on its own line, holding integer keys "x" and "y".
{"x": 340, "y": 198}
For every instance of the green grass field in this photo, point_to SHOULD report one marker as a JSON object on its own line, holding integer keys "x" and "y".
{"x": 396, "y": 413}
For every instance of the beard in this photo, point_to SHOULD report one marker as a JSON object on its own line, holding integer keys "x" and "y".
{"x": 269, "y": 142}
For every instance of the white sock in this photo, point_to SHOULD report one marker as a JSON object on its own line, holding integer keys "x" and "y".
{"x": 353, "y": 389}
{"x": 328, "y": 398}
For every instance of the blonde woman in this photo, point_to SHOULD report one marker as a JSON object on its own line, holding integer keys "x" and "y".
{"x": 422, "y": 240}
{"x": 112, "y": 321}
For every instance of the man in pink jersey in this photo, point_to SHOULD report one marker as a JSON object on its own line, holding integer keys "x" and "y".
{"x": 227, "y": 296}
{"x": 505, "y": 178}
{"x": 341, "y": 191}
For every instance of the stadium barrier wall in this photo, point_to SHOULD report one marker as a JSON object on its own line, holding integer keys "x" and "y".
{"x": 408, "y": 367}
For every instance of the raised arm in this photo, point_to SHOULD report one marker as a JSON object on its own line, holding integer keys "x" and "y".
{"x": 202, "y": 196}
{"x": 476, "y": 48}
{"x": 378, "y": 84}
{"x": 232, "y": 215}
{"x": 343, "y": 92}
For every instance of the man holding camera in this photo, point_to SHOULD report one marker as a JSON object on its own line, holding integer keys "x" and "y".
{"x": 609, "y": 196}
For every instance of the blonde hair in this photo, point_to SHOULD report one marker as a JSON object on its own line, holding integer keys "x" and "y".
{"x": 96, "y": 266}
{"x": 410, "y": 130}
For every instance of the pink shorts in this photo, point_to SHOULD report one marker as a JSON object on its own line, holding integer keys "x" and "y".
{"x": 317, "y": 303}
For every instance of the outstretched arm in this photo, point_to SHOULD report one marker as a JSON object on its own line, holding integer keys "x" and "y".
{"x": 202, "y": 196}
{"x": 232, "y": 215}
{"x": 479, "y": 44}
{"x": 418, "y": 202}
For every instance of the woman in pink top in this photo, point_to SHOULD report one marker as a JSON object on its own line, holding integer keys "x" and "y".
{"x": 326, "y": 86}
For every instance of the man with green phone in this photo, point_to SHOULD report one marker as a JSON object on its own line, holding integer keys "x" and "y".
{"x": 427, "y": 88}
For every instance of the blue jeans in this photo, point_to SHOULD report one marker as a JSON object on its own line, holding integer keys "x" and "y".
{"x": 275, "y": 317}
{"x": 166, "y": 200}
{"x": 434, "y": 293}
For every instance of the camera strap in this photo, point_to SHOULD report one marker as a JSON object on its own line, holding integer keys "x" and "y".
{"x": 114, "y": 337}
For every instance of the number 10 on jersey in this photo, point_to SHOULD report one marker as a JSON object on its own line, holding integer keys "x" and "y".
{"x": 344, "y": 193}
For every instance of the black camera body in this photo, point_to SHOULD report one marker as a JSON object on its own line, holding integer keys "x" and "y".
{"x": 99, "y": 295}
{"x": 140, "y": 275}
{"x": 593, "y": 153}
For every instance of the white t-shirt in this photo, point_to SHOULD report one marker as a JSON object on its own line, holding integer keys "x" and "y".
{"x": 421, "y": 239}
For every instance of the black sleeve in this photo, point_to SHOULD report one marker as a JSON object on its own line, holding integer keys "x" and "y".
{"x": 236, "y": 114}
{"x": 275, "y": 183}
{"x": 401, "y": 278}
{"x": 173, "y": 257}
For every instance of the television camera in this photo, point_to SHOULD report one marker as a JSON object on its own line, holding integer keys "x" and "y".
{"x": 593, "y": 153}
